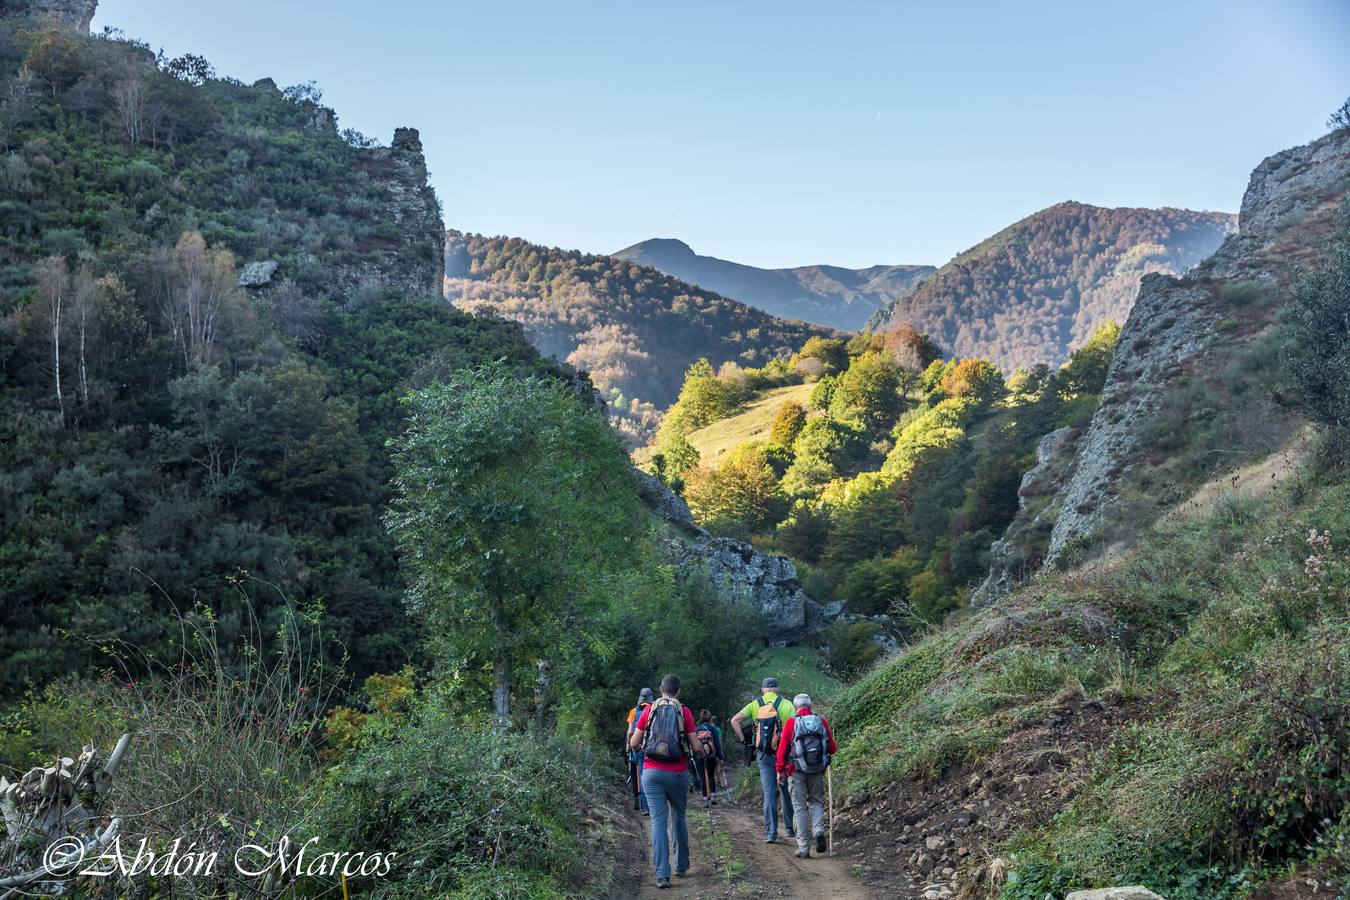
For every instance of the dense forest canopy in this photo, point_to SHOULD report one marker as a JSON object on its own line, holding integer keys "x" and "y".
{"x": 1040, "y": 287}
{"x": 631, "y": 328}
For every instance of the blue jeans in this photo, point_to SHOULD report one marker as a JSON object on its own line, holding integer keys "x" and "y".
{"x": 768, "y": 780}
{"x": 659, "y": 789}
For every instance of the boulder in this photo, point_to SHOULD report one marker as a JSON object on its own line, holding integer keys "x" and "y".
{"x": 1115, "y": 893}
{"x": 257, "y": 274}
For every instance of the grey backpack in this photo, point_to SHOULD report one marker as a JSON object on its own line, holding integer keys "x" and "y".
{"x": 810, "y": 744}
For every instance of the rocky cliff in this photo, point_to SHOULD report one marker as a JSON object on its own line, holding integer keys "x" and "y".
{"x": 737, "y": 570}
{"x": 413, "y": 261}
{"x": 74, "y": 15}
{"x": 1285, "y": 222}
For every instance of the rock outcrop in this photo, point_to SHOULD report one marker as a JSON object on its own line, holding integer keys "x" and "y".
{"x": 257, "y": 274}
{"x": 412, "y": 262}
{"x": 745, "y": 575}
{"x": 1285, "y": 223}
{"x": 1022, "y": 548}
{"x": 72, "y": 15}
{"x": 737, "y": 570}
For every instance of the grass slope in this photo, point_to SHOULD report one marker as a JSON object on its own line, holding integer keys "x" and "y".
{"x": 750, "y": 424}
{"x": 1225, "y": 640}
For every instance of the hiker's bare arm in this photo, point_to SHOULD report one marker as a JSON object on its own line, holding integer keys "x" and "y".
{"x": 694, "y": 743}
{"x": 736, "y": 721}
{"x": 636, "y": 740}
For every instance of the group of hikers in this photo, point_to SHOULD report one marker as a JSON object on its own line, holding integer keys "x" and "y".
{"x": 670, "y": 755}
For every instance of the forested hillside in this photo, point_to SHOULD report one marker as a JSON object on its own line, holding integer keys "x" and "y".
{"x": 828, "y": 295}
{"x": 167, "y": 429}
{"x": 631, "y": 328}
{"x": 1041, "y": 286}
{"x": 886, "y": 477}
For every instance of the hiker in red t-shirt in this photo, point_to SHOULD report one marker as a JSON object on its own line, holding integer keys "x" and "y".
{"x": 665, "y": 735}
{"x": 803, "y": 756}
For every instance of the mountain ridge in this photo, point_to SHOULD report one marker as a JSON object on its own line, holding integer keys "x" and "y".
{"x": 834, "y": 296}
{"x": 633, "y": 328}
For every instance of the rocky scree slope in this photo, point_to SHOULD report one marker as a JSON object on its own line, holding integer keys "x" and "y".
{"x": 827, "y": 295}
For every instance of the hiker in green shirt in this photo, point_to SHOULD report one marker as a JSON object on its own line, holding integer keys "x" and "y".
{"x": 767, "y": 714}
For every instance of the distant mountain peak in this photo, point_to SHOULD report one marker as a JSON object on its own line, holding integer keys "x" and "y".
{"x": 657, "y": 245}
{"x": 833, "y": 296}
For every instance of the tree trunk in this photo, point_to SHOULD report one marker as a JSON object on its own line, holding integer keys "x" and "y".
{"x": 501, "y": 671}
{"x": 56, "y": 356}
{"x": 84, "y": 379}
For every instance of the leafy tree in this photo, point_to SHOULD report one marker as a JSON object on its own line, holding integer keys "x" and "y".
{"x": 822, "y": 393}
{"x": 1085, "y": 372}
{"x": 976, "y": 378}
{"x": 676, "y": 455}
{"x": 1319, "y": 347}
{"x": 512, "y": 499}
{"x": 739, "y": 496}
{"x": 911, "y": 349}
{"x": 831, "y": 352}
{"x": 868, "y": 392}
{"x": 853, "y": 647}
{"x": 704, "y": 398}
{"x": 787, "y": 423}
{"x": 874, "y": 585}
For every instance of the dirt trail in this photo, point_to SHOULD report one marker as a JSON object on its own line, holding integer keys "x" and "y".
{"x": 728, "y": 858}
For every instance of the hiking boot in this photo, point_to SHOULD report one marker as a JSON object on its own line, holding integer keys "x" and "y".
{"x": 707, "y": 802}
{"x": 646, "y": 812}
{"x": 681, "y": 873}
{"x": 803, "y": 853}
{"x": 772, "y": 839}
{"x": 820, "y": 843}
{"x": 663, "y": 883}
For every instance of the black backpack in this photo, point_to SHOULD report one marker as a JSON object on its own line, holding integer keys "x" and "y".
{"x": 810, "y": 745}
{"x": 664, "y": 740}
{"x": 767, "y": 727}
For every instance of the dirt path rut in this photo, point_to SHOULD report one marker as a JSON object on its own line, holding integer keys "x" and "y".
{"x": 728, "y": 858}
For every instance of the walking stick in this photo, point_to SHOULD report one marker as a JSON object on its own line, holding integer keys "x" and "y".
{"x": 829, "y": 789}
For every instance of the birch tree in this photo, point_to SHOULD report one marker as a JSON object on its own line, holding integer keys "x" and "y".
{"x": 198, "y": 292}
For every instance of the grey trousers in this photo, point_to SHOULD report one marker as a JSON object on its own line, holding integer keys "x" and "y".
{"x": 768, "y": 780}
{"x": 808, "y": 798}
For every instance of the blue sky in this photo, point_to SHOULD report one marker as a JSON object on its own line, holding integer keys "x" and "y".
{"x": 786, "y": 133}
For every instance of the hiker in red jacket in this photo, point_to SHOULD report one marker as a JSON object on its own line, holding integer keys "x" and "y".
{"x": 803, "y": 756}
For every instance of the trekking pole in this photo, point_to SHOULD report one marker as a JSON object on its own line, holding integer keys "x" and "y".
{"x": 829, "y": 789}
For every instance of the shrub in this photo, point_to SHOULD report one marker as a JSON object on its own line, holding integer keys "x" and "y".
{"x": 463, "y": 807}
{"x": 1319, "y": 350}
{"x": 853, "y": 647}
